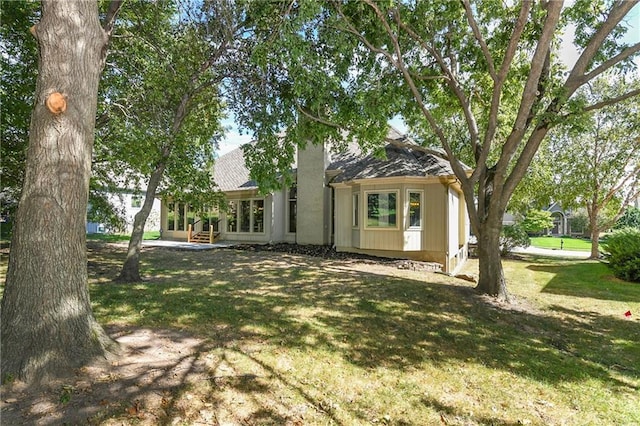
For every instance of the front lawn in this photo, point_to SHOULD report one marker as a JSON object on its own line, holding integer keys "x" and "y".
{"x": 577, "y": 244}
{"x": 301, "y": 340}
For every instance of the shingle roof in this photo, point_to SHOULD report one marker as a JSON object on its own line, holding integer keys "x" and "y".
{"x": 231, "y": 173}
{"x": 399, "y": 161}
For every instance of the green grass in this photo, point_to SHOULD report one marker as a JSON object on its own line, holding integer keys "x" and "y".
{"x": 298, "y": 340}
{"x": 378, "y": 345}
{"x": 576, "y": 244}
{"x": 113, "y": 238}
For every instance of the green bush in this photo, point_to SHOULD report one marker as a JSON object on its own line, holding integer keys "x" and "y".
{"x": 623, "y": 252}
{"x": 513, "y": 236}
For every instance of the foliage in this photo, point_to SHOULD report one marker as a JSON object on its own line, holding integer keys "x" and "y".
{"x": 537, "y": 220}
{"x": 630, "y": 218}
{"x": 598, "y": 160}
{"x": 18, "y": 65}
{"x": 623, "y": 253}
{"x": 157, "y": 107}
{"x": 513, "y": 236}
{"x": 101, "y": 210}
{"x": 483, "y": 82}
{"x": 579, "y": 222}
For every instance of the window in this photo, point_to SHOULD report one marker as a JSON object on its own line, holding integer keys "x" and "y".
{"x": 180, "y": 219}
{"x": 258, "y": 215}
{"x": 293, "y": 208}
{"x": 171, "y": 217}
{"x": 211, "y": 219}
{"x": 356, "y": 209}
{"x": 245, "y": 216}
{"x": 136, "y": 201}
{"x": 381, "y": 209}
{"x": 415, "y": 209}
{"x": 232, "y": 217}
{"x": 191, "y": 216}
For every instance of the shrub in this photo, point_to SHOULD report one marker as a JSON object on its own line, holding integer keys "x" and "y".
{"x": 623, "y": 252}
{"x": 630, "y": 219}
{"x": 537, "y": 221}
{"x": 513, "y": 236}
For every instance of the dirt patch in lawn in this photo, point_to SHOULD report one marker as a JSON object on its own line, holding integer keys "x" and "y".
{"x": 139, "y": 387}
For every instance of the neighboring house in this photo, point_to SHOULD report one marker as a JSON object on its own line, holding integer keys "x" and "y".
{"x": 409, "y": 205}
{"x": 128, "y": 203}
{"x": 561, "y": 220}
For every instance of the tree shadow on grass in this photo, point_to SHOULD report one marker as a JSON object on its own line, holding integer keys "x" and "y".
{"x": 589, "y": 279}
{"x": 239, "y": 300}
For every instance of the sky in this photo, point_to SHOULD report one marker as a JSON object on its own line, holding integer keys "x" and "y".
{"x": 233, "y": 138}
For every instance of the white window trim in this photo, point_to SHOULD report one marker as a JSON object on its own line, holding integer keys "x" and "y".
{"x": 365, "y": 215}
{"x": 408, "y": 207}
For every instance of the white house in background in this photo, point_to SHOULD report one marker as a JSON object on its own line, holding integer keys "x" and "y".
{"x": 128, "y": 202}
{"x": 409, "y": 205}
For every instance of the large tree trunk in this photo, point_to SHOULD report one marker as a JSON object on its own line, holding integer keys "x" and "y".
{"x": 131, "y": 268}
{"x": 47, "y": 324}
{"x": 491, "y": 276}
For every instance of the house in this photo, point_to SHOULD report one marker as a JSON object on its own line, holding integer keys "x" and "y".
{"x": 409, "y": 205}
{"x": 127, "y": 202}
{"x": 561, "y": 220}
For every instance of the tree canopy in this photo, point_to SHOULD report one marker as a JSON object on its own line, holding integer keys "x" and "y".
{"x": 483, "y": 80}
{"x": 597, "y": 154}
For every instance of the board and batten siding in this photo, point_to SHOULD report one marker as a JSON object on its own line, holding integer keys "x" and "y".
{"x": 343, "y": 219}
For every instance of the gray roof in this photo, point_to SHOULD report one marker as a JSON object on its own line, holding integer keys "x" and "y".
{"x": 399, "y": 162}
{"x": 231, "y": 173}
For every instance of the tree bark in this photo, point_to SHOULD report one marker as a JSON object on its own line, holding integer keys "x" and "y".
{"x": 491, "y": 275}
{"x": 131, "y": 268}
{"x": 595, "y": 236}
{"x": 48, "y": 327}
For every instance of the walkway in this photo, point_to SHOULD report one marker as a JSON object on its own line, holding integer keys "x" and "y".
{"x": 183, "y": 245}
{"x": 552, "y": 252}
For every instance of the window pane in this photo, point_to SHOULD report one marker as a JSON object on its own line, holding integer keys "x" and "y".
{"x": 381, "y": 209}
{"x": 292, "y": 215}
{"x": 180, "y": 224}
{"x": 232, "y": 217}
{"x": 245, "y": 216}
{"x": 258, "y": 216}
{"x": 414, "y": 210}
{"x": 171, "y": 217}
{"x": 356, "y": 211}
{"x": 211, "y": 219}
{"x": 191, "y": 216}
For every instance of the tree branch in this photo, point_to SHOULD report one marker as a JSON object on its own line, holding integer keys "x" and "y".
{"x": 611, "y": 101}
{"x": 453, "y": 84}
{"x": 631, "y": 50}
{"x": 317, "y": 119}
{"x": 530, "y": 94}
{"x": 478, "y": 35}
{"x": 110, "y": 18}
{"x": 577, "y": 76}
